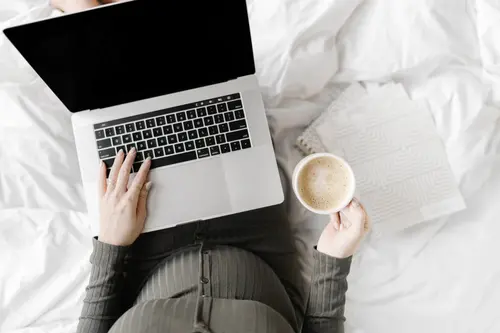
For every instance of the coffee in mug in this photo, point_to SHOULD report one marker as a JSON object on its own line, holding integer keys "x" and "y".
{"x": 324, "y": 183}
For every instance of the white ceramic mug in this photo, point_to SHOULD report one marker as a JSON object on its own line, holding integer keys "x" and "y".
{"x": 300, "y": 166}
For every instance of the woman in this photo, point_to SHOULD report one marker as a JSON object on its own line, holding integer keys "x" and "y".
{"x": 233, "y": 274}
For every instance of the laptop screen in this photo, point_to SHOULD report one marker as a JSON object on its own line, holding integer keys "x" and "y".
{"x": 137, "y": 49}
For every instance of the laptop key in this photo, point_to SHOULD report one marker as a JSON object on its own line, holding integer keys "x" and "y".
{"x": 106, "y": 153}
{"x": 200, "y": 143}
{"x": 203, "y": 132}
{"x": 188, "y": 125}
{"x": 99, "y": 134}
{"x": 147, "y": 134}
{"x": 173, "y": 159}
{"x": 127, "y": 138}
{"x": 191, "y": 114}
{"x": 189, "y": 145}
{"x": 130, "y": 146}
{"x": 110, "y": 131}
{"x": 234, "y": 105}
{"x": 139, "y": 156}
{"x": 169, "y": 150}
{"x": 182, "y": 136}
{"x": 221, "y": 138}
{"x": 168, "y": 129}
{"x": 148, "y": 153}
{"x": 121, "y": 148}
{"x": 235, "y": 146}
{"x": 219, "y": 118}
{"x": 162, "y": 141}
{"x": 137, "y": 136}
{"x": 161, "y": 121}
{"x": 208, "y": 120}
{"x": 158, "y": 152}
{"x": 172, "y": 138}
{"x": 117, "y": 141}
{"x": 140, "y": 125}
{"x": 109, "y": 162}
{"x": 238, "y": 114}
{"x": 157, "y": 131}
{"x": 179, "y": 148}
{"x": 213, "y": 130}
{"x": 214, "y": 150}
{"x": 181, "y": 116}
{"x": 229, "y": 116}
{"x": 225, "y": 148}
{"x": 150, "y": 123}
{"x": 238, "y": 135}
{"x": 211, "y": 109}
{"x": 223, "y": 128}
{"x": 177, "y": 127}
{"x": 222, "y": 107}
{"x": 103, "y": 143}
{"x": 129, "y": 128}
{"x": 141, "y": 145}
{"x": 198, "y": 123}
{"x": 238, "y": 124}
{"x": 151, "y": 143}
{"x": 136, "y": 166}
{"x": 210, "y": 141}
{"x": 193, "y": 134}
{"x": 120, "y": 129}
{"x": 202, "y": 112}
{"x": 203, "y": 153}
{"x": 245, "y": 144}
{"x": 170, "y": 119}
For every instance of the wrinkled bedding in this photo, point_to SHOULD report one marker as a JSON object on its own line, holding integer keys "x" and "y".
{"x": 439, "y": 276}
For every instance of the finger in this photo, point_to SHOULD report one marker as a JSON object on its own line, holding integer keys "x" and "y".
{"x": 124, "y": 174}
{"x": 102, "y": 179}
{"x": 344, "y": 220}
{"x": 139, "y": 180}
{"x": 142, "y": 203}
{"x": 115, "y": 169}
{"x": 359, "y": 212}
{"x": 335, "y": 220}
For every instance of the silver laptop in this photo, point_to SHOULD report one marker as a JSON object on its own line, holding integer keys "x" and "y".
{"x": 177, "y": 82}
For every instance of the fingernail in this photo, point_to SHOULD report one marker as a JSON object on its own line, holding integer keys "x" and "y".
{"x": 148, "y": 186}
{"x": 148, "y": 158}
{"x": 131, "y": 151}
{"x": 120, "y": 151}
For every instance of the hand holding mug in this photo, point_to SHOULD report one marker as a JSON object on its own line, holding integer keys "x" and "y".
{"x": 343, "y": 234}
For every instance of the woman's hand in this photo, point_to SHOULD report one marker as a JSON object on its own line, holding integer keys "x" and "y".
{"x": 341, "y": 237}
{"x": 122, "y": 209}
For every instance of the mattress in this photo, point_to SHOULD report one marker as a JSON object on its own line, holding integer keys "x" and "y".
{"x": 439, "y": 276}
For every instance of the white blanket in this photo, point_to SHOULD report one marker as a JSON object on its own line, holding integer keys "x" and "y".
{"x": 440, "y": 276}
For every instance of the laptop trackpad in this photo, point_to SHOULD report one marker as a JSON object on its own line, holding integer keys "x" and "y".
{"x": 187, "y": 192}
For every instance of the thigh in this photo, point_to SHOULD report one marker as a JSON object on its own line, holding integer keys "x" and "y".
{"x": 149, "y": 250}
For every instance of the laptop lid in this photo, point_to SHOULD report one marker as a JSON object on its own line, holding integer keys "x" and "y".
{"x": 137, "y": 49}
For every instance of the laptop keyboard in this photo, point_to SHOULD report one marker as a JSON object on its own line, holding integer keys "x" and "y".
{"x": 178, "y": 134}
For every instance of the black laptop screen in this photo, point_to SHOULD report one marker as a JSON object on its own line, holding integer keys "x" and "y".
{"x": 137, "y": 49}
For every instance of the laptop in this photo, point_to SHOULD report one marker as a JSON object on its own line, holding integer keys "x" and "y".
{"x": 173, "y": 79}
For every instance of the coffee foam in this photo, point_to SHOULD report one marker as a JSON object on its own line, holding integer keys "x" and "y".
{"x": 324, "y": 183}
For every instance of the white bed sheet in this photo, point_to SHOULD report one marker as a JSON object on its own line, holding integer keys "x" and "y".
{"x": 440, "y": 276}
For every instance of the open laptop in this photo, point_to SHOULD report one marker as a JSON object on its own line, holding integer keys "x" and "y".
{"x": 173, "y": 79}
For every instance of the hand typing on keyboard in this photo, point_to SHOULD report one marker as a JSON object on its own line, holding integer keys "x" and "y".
{"x": 122, "y": 208}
